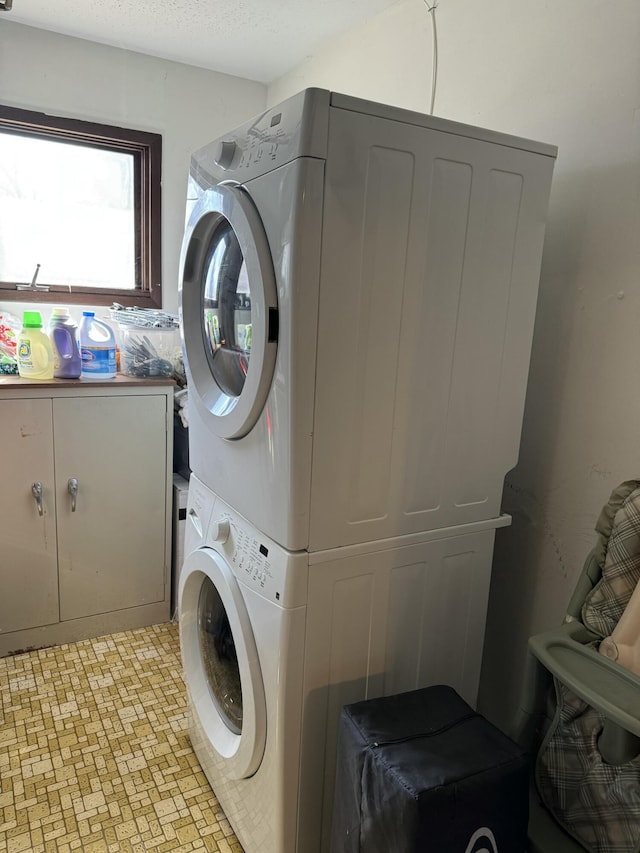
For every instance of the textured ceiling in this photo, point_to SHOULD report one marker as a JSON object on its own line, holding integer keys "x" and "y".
{"x": 257, "y": 39}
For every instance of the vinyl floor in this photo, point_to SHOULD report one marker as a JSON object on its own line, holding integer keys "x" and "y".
{"x": 95, "y": 755}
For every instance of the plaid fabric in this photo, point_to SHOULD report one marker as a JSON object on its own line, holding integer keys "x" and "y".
{"x": 598, "y": 803}
{"x": 605, "y": 604}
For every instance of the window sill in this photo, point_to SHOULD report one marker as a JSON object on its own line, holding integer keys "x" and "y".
{"x": 61, "y": 296}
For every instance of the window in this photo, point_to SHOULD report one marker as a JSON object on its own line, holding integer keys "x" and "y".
{"x": 79, "y": 211}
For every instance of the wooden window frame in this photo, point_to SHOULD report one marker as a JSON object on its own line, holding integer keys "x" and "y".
{"x": 146, "y": 149}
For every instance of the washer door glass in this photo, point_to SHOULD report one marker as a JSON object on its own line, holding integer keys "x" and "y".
{"x": 219, "y": 656}
{"x": 228, "y": 310}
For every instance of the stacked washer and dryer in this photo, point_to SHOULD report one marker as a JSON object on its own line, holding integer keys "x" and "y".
{"x": 358, "y": 292}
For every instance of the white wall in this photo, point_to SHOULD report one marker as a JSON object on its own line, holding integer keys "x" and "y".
{"x": 565, "y": 73}
{"x": 81, "y": 79}
{"x": 386, "y": 60}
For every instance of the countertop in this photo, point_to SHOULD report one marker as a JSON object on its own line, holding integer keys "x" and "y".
{"x": 120, "y": 380}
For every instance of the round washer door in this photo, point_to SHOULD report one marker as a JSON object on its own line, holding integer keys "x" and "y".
{"x": 228, "y": 307}
{"x": 221, "y": 663}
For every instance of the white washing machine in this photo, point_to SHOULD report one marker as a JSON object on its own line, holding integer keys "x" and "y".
{"x": 275, "y": 642}
{"x": 242, "y": 606}
{"x": 357, "y": 296}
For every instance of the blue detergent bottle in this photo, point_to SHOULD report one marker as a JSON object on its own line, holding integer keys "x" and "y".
{"x": 97, "y": 348}
{"x": 63, "y": 332}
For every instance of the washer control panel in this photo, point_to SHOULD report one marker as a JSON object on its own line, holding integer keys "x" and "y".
{"x": 265, "y": 567}
{"x": 251, "y": 559}
{"x": 257, "y": 562}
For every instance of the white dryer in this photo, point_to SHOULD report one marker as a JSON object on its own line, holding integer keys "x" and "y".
{"x": 274, "y": 643}
{"x": 357, "y": 296}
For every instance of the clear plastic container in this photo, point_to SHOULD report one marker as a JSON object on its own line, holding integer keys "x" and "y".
{"x": 149, "y": 351}
{"x": 63, "y": 332}
{"x": 35, "y": 353}
{"x": 97, "y": 348}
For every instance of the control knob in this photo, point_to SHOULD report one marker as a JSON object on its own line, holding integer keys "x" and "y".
{"x": 225, "y": 153}
{"x": 219, "y": 530}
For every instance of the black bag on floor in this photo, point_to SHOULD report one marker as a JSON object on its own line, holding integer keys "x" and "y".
{"x": 421, "y": 772}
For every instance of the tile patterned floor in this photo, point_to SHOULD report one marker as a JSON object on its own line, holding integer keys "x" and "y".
{"x": 94, "y": 752}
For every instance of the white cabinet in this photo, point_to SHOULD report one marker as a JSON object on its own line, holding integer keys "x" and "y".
{"x": 28, "y": 541}
{"x": 85, "y": 510}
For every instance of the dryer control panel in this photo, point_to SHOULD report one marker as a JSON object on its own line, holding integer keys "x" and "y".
{"x": 295, "y": 128}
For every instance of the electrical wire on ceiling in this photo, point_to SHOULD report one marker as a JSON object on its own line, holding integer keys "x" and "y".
{"x": 431, "y": 9}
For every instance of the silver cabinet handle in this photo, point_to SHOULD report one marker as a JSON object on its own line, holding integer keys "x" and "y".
{"x": 36, "y": 491}
{"x": 72, "y": 486}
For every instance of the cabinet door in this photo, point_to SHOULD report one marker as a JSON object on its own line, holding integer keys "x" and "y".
{"x": 112, "y": 545}
{"x": 28, "y": 559}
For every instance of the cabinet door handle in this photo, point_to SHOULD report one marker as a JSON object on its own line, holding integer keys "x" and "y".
{"x": 72, "y": 486}
{"x": 36, "y": 491}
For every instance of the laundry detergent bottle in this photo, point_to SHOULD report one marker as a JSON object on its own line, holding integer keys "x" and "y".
{"x": 97, "y": 348}
{"x": 35, "y": 354}
{"x": 63, "y": 332}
